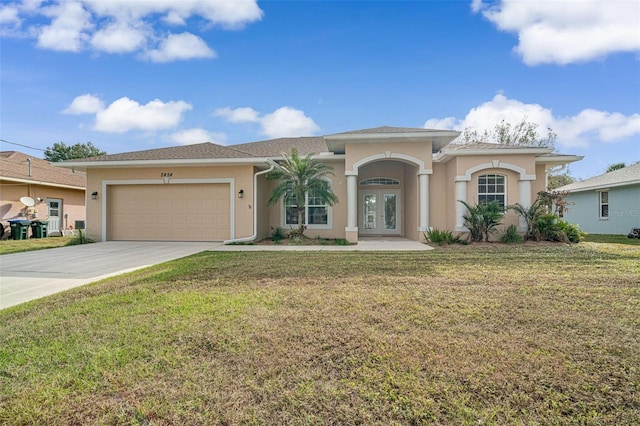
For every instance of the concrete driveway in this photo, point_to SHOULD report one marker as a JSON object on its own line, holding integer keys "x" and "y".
{"x": 31, "y": 275}
{"x": 34, "y": 274}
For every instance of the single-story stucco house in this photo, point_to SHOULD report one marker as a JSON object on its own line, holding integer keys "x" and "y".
{"x": 606, "y": 204}
{"x": 58, "y": 194}
{"x": 390, "y": 181}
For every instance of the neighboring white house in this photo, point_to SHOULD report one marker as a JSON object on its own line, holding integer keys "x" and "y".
{"x": 606, "y": 204}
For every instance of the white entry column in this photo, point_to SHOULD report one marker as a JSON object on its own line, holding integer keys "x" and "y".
{"x": 352, "y": 202}
{"x": 461, "y": 195}
{"x": 424, "y": 201}
{"x": 525, "y": 200}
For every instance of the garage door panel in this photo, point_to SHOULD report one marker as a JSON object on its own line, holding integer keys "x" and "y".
{"x": 174, "y": 212}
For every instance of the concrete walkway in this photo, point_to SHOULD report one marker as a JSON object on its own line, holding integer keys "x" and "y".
{"x": 31, "y": 275}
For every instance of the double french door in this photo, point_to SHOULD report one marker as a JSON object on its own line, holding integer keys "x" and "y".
{"x": 380, "y": 212}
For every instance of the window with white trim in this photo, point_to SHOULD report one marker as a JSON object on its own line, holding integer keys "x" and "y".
{"x": 604, "y": 204}
{"x": 492, "y": 188}
{"x": 317, "y": 212}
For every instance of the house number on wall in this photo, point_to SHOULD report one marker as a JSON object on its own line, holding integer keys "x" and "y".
{"x": 166, "y": 176}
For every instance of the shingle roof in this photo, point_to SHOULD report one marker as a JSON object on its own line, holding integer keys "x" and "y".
{"x": 15, "y": 165}
{"x": 629, "y": 175}
{"x": 388, "y": 129}
{"x": 275, "y": 147}
{"x": 186, "y": 152}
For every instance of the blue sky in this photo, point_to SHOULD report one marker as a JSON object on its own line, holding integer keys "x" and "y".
{"x": 133, "y": 75}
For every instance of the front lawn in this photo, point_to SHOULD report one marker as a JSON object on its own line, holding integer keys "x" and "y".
{"x": 492, "y": 335}
{"x": 17, "y": 246}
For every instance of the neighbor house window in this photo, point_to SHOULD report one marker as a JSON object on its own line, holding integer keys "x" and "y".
{"x": 492, "y": 188}
{"x": 316, "y": 212}
{"x": 604, "y": 204}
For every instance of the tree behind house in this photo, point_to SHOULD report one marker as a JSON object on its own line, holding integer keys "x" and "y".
{"x": 524, "y": 133}
{"x": 61, "y": 151}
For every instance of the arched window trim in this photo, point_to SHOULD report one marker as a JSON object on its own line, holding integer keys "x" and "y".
{"x": 380, "y": 181}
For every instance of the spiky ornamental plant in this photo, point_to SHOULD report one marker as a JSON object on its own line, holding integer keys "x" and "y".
{"x": 297, "y": 176}
{"x": 482, "y": 219}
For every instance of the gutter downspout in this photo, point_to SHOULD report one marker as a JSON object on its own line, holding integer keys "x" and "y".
{"x": 255, "y": 210}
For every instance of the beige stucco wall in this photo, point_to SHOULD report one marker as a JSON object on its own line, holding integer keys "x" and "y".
{"x": 73, "y": 201}
{"x": 540, "y": 184}
{"x": 459, "y": 166}
{"x": 339, "y": 210}
{"x": 242, "y": 176}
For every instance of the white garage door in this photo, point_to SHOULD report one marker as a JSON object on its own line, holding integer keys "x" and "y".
{"x": 172, "y": 212}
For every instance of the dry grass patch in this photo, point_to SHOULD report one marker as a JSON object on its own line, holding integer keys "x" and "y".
{"x": 496, "y": 335}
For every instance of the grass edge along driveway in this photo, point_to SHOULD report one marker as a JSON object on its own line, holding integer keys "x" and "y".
{"x": 492, "y": 335}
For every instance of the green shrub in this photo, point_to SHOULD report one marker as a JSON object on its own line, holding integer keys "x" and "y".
{"x": 571, "y": 231}
{"x": 342, "y": 242}
{"x": 482, "y": 219}
{"x": 440, "y": 237}
{"x": 510, "y": 235}
{"x": 277, "y": 234}
{"x": 81, "y": 238}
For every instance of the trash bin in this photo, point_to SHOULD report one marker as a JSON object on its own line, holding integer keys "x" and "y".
{"x": 19, "y": 229}
{"x": 39, "y": 229}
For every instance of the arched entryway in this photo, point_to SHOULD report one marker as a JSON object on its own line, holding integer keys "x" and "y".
{"x": 388, "y": 196}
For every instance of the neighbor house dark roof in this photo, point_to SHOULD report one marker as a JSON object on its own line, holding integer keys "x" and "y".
{"x": 14, "y": 165}
{"x": 629, "y": 175}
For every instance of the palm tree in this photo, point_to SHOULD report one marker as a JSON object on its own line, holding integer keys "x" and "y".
{"x": 298, "y": 177}
{"x": 482, "y": 219}
{"x": 530, "y": 216}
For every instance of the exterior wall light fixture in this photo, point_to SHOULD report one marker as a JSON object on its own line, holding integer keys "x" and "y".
{"x": 241, "y": 193}
{"x": 94, "y": 195}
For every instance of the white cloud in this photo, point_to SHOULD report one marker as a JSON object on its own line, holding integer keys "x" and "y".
{"x": 66, "y": 32}
{"x": 118, "y": 37}
{"x": 125, "y": 114}
{"x": 85, "y": 104}
{"x": 568, "y": 31}
{"x": 9, "y": 15}
{"x": 283, "y": 122}
{"x": 180, "y": 47}
{"x": 124, "y": 26}
{"x": 197, "y": 135}
{"x": 239, "y": 115}
{"x": 588, "y": 126}
{"x": 287, "y": 121}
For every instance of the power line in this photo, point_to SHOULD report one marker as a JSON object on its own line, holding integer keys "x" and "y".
{"x": 19, "y": 144}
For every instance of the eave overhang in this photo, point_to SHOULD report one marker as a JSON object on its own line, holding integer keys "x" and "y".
{"x": 446, "y": 155}
{"x": 40, "y": 182}
{"x": 262, "y": 162}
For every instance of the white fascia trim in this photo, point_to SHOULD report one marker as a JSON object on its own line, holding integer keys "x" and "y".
{"x": 43, "y": 183}
{"x": 444, "y": 156}
{"x": 367, "y": 137}
{"x": 172, "y": 162}
{"x": 559, "y": 159}
{"x": 602, "y": 187}
{"x": 230, "y": 181}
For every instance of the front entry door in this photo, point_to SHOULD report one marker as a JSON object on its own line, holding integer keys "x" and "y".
{"x": 54, "y": 211}
{"x": 380, "y": 212}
